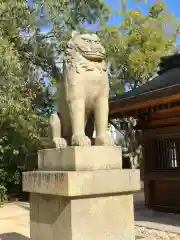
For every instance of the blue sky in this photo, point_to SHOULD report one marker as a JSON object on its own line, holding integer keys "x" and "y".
{"x": 173, "y": 6}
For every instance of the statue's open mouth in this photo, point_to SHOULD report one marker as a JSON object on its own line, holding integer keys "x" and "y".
{"x": 94, "y": 55}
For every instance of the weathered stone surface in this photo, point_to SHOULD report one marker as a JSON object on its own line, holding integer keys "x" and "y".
{"x": 63, "y": 218}
{"x": 78, "y": 158}
{"x": 50, "y": 217}
{"x": 82, "y": 193}
{"x": 82, "y": 183}
{"x": 81, "y": 205}
{"x": 83, "y": 91}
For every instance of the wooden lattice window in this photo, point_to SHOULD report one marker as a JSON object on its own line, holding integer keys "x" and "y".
{"x": 163, "y": 153}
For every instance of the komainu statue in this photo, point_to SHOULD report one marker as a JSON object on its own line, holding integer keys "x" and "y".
{"x": 83, "y": 93}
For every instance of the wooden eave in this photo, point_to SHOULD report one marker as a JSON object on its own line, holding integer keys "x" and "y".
{"x": 129, "y": 106}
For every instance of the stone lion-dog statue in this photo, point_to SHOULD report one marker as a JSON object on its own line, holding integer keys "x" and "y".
{"x": 83, "y": 92}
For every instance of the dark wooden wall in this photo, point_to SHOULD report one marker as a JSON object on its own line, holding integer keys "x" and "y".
{"x": 162, "y": 168}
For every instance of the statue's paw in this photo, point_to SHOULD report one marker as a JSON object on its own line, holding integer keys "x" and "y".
{"x": 104, "y": 140}
{"x": 80, "y": 140}
{"x": 59, "y": 142}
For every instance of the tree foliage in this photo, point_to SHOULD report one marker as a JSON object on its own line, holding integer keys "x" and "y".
{"x": 27, "y": 57}
{"x": 135, "y": 46}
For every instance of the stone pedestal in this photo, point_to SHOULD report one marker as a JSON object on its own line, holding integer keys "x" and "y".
{"x": 81, "y": 194}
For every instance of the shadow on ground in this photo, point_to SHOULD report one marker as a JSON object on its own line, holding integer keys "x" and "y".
{"x": 13, "y": 236}
{"x": 153, "y": 219}
{"x": 142, "y": 214}
{"x": 24, "y": 205}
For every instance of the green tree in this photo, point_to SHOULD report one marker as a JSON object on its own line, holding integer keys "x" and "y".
{"x": 27, "y": 57}
{"x": 135, "y": 46}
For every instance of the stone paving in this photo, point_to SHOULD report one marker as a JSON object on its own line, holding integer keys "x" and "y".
{"x": 14, "y": 223}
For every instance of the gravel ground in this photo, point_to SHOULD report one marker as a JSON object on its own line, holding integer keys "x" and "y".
{"x": 151, "y": 234}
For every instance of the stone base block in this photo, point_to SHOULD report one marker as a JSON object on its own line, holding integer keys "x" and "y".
{"x": 99, "y": 218}
{"x": 81, "y": 193}
{"x": 80, "y": 158}
{"x": 82, "y": 183}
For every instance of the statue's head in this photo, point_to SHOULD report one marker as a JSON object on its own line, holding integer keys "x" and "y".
{"x": 88, "y": 45}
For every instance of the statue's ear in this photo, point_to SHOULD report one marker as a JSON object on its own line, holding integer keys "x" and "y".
{"x": 75, "y": 33}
